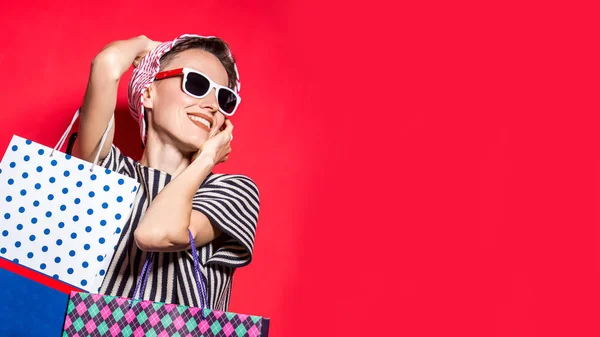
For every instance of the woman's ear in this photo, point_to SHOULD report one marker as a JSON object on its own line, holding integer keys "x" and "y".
{"x": 148, "y": 97}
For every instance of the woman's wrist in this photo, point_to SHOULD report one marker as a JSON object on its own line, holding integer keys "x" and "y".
{"x": 116, "y": 58}
{"x": 205, "y": 160}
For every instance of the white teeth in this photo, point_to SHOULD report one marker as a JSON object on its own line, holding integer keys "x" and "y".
{"x": 200, "y": 119}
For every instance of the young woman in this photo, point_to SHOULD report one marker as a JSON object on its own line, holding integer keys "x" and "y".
{"x": 182, "y": 93}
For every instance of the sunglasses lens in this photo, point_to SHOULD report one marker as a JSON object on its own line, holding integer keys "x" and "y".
{"x": 197, "y": 84}
{"x": 227, "y": 100}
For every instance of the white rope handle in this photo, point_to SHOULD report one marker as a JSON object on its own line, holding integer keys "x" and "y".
{"x": 65, "y": 135}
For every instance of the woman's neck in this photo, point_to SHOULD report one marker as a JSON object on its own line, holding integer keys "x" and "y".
{"x": 163, "y": 156}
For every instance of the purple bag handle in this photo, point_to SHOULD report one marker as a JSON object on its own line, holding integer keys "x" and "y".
{"x": 197, "y": 275}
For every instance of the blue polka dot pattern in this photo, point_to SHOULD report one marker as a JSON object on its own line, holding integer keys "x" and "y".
{"x": 15, "y": 148}
{"x": 28, "y": 142}
{"x": 83, "y": 283}
{"x": 55, "y": 276}
{"x": 69, "y": 213}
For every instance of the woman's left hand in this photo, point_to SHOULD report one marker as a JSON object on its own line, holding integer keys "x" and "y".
{"x": 217, "y": 148}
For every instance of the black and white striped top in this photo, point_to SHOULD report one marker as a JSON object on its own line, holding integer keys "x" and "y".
{"x": 229, "y": 201}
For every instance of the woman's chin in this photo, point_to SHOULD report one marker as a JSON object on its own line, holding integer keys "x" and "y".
{"x": 193, "y": 143}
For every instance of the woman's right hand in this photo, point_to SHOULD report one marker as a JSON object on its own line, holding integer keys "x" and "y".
{"x": 150, "y": 45}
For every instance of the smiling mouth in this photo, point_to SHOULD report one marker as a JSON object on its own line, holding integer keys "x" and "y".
{"x": 204, "y": 123}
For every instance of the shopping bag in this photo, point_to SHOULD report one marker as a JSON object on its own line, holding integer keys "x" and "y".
{"x": 28, "y": 308}
{"x": 60, "y": 215}
{"x": 102, "y": 315}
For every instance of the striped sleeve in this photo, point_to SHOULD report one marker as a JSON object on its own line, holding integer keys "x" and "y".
{"x": 114, "y": 160}
{"x": 230, "y": 202}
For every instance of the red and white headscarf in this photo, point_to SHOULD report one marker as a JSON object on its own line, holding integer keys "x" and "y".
{"x": 144, "y": 74}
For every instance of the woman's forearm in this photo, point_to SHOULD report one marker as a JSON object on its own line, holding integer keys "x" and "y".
{"x": 165, "y": 224}
{"x": 116, "y": 57}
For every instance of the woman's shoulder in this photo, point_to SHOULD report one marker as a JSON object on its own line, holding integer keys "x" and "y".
{"x": 229, "y": 181}
{"x": 115, "y": 160}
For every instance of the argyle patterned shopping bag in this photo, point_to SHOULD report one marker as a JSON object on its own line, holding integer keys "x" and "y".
{"x": 102, "y": 315}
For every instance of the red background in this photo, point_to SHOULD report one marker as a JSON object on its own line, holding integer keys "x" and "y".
{"x": 425, "y": 169}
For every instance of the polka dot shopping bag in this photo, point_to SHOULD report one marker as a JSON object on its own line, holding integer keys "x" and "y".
{"x": 60, "y": 215}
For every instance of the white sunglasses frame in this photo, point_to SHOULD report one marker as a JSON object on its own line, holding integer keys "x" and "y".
{"x": 212, "y": 85}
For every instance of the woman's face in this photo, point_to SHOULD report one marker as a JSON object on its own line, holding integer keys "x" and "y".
{"x": 177, "y": 117}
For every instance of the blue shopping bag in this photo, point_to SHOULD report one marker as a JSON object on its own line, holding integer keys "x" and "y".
{"x": 28, "y": 308}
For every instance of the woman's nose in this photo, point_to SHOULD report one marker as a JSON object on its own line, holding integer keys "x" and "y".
{"x": 210, "y": 102}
